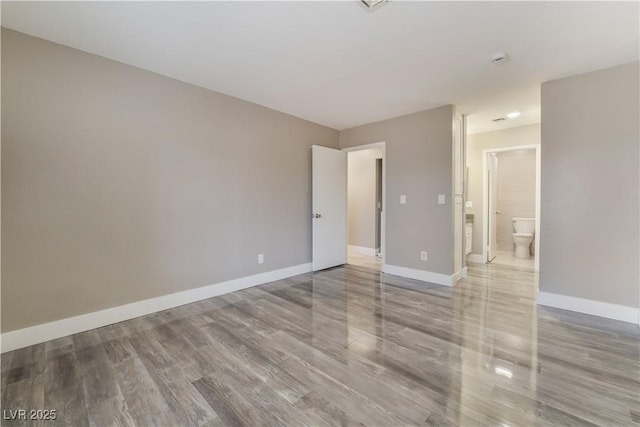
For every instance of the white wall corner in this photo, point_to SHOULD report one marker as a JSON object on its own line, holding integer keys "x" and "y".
{"x": 61, "y": 328}
{"x": 595, "y": 308}
{"x": 459, "y": 275}
{"x": 425, "y": 276}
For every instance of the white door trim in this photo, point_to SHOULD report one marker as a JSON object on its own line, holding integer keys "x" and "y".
{"x": 383, "y": 221}
{"x": 485, "y": 197}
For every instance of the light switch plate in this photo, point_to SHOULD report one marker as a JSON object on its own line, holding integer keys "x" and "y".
{"x": 403, "y": 199}
{"x": 441, "y": 199}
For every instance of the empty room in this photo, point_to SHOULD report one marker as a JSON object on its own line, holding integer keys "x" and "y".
{"x": 376, "y": 213}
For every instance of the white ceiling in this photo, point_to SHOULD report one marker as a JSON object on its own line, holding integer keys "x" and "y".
{"x": 337, "y": 64}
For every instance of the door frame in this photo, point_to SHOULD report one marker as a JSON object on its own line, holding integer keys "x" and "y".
{"x": 485, "y": 197}
{"x": 383, "y": 221}
{"x": 492, "y": 205}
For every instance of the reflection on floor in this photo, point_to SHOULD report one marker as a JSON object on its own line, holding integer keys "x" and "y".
{"x": 508, "y": 258}
{"x": 359, "y": 259}
{"x": 344, "y": 346}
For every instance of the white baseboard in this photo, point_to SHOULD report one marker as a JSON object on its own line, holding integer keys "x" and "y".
{"x": 426, "y": 276}
{"x": 362, "y": 250}
{"x": 596, "y": 308}
{"x": 61, "y": 328}
{"x": 457, "y": 276}
{"x": 476, "y": 258}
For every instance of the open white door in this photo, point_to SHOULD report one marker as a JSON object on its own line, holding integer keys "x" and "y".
{"x": 329, "y": 207}
{"x": 492, "y": 170}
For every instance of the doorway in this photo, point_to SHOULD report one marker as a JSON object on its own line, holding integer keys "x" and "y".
{"x": 365, "y": 205}
{"x": 511, "y": 198}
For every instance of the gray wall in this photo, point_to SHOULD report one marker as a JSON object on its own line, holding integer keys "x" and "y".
{"x": 589, "y": 244}
{"x": 418, "y": 160}
{"x": 361, "y": 197}
{"x": 120, "y": 185}
{"x": 516, "y": 192}
{"x": 476, "y": 143}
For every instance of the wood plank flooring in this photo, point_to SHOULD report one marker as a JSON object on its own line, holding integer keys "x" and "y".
{"x": 346, "y": 346}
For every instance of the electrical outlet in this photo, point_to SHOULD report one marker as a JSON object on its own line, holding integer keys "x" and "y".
{"x": 423, "y": 256}
{"x": 260, "y": 258}
{"x": 441, "y": 199}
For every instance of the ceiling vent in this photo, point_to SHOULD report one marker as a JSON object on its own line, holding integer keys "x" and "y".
{"x": 499, "y": 58}
{"x": 372, "y": 5}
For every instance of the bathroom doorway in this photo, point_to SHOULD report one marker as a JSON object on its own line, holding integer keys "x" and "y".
{"x": 511, "y": 206}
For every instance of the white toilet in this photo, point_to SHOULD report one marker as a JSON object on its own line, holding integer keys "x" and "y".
{"x": 524, "y": 230}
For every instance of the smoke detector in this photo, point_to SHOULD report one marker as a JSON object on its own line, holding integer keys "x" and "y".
{"x": 499, "y": 58}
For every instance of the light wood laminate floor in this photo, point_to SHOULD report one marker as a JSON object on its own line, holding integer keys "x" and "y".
{"x": 372, "y": 262}
{"x": 508, "y": 258}
{"x": 346, "y": 346}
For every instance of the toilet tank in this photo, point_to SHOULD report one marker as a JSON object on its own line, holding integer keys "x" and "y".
{"x": 524, "y": 225}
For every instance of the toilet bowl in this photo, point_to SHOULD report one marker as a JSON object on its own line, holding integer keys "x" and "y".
{"x": 524, "y": 231}
{"x": 523, "y": 243}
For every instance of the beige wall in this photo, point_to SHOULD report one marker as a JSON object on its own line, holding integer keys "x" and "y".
{"x": 516, "y": 192}
{"x": 476, "y": 143}
{"x": 418, "y": 158}
{"x": 361, "y": 192}
{"x": 120, "y": 185}
{"x": 590, "y": 186}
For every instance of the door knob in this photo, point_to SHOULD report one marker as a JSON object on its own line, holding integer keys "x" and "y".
{"x": 498, "y": 212}
{"x": 315, "y": 215}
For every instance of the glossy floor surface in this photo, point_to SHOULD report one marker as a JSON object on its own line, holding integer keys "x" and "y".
{"x": 368, "y": 261}
{"x": 346, "y": 346}
{"x": 508, "y": 258}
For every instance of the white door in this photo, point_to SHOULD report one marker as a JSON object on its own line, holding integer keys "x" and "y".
{"x": 492, "y": 170}
{"x": 329, "y": 207}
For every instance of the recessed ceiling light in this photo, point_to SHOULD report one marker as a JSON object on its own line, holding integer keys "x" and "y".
{"x": 513, "y": 115}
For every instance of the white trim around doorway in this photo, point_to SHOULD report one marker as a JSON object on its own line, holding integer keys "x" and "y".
{"x": 485, "y": 198}
{"x": 383, "y": 225}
